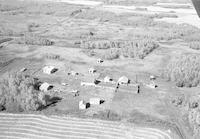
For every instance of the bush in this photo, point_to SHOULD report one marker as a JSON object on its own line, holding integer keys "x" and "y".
{"x": 184, "y": 70}
{"x": 18, "y": 93}
{"x": 53, "y": 56}
{"x": 195, "y": 45}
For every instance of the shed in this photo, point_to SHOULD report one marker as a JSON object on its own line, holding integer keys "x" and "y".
{"x": 95, "y": 101}
{"x": 107, "y": 79}
{"x": 152, "y": 77}
{"x": 45, "y": 87}
{"x": 123, "y": 80}
{"x": 73, "y": 73}
{"x": 49, "y": 69}
{"x": 83, "y": 105}
{"x": 91, "y": 70}
{"x": 23, "y": 69}
{"x": 99, "y": 60}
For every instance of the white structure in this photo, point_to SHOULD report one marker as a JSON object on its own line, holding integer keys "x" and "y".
{"x": 23, "y": 69}
{"x": 151, "y": 85}
{"x": 87, "y": 84}
{"x": 152, "y": 77}
{"x": 95, "y": 101}
{"x": 82, "y": 105}
{"x": 73, "y": 73}
{"x": 45, "y": 87}
{"x": 91, "y": 70}
{"x": 64, "y": 84}
{"x": 99, "y": 60}
{"x": 123, "y": 80}
{"x": 107, "y": 79}
{"x": 49, "y": 69}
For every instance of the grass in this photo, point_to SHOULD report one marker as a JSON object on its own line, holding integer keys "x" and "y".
{"x": 184, "y": 70}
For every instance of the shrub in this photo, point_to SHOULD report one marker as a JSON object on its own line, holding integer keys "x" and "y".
{"x": 184, "y": 70}
{"x": 18, "y": 93}
{"x": 195, "y": 45}
{"x": 53, "y": 56}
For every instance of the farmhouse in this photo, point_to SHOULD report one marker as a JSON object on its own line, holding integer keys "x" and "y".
{"x": 73, "y": 73}
{"x": 107, "y": 79}
{"x": 83, "y": 105}
{"x": 45, "y": 87}
{"x": 95, "y": 101}
{"x": 123, "y": 80}
{"x": 49, "y": 69}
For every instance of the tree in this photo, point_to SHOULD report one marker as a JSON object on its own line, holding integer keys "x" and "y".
{"x": 18, "y": 93}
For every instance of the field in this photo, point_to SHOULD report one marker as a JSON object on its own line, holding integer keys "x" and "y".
{"x": 133, "y": 38}
{"x": 54, "y": 127}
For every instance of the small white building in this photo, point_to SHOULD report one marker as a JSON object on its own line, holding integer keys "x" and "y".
{"x": 95, "y": 101}
{"x": 82, "y": 105}
{"x": 99, "y": 60}
{"x": 45, "y": 87}
{"x": 107, "y": 79}
{"x": 123, "y": 80}
{"x": 23, "y": 69}
{"x": 49, "y": 69}
{"x": 91, "y": 70}
{"x": 74, "y": 73}
{"x": 152, "y": 77}
{"x": 87, "y": 84}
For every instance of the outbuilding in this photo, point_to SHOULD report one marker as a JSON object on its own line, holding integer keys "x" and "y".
{"x": 99, "y": 60}
{"x": 45, "y": 87}
{"x": 49, "y": 69}
{"x": 91, "y": 70}
{"x": 83, "y": 105}
{"x": 107, "y": 79}
{"x": 95, "y": 101}
{"x": 123, "y": 80}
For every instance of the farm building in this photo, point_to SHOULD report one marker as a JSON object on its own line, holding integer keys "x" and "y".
{"x": 83, "y": 105}
{"x": 152, "y": 77}
{"x": 45, "y": 87}
{"x": 23, "y": 69}
{"x": 123, "y": 80}
{"x": 95, "y": 101}
{"x": 132, "y": 89}
{"x": 73, "y": 73}
{"x": 91, "y": 70}
{"x": 107, "y": 79}
{"x": 49, "y": 69}
{"x": 87, "y": 84}
{"x": 99, "y": 60}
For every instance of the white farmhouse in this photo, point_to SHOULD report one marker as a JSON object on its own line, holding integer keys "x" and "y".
{"x": 45, "y": 87}
{"x": 95, "y": 101}
{"x": 49, "y": 69}
{"x": 123, "y": 80}
{"x": 107, "y": 79}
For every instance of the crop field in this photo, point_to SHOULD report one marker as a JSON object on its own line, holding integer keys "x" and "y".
{"x": 22, "y": 126}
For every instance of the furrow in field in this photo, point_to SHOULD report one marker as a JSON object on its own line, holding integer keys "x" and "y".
{"x": 67, "y": 119}
{"x": 66, "y": 131}
{"x": 63, "y": 124}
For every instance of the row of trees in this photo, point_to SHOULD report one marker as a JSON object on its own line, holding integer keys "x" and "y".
{"x": 133, "y": 49}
